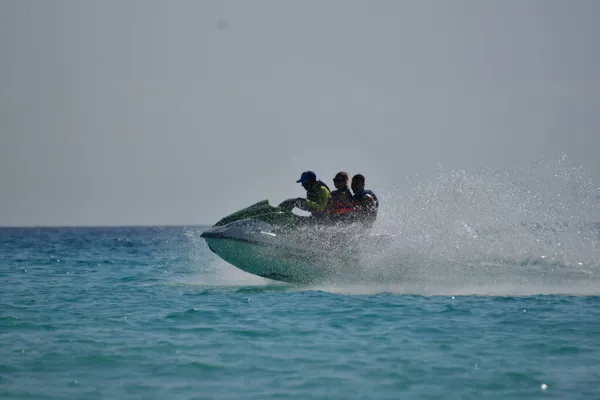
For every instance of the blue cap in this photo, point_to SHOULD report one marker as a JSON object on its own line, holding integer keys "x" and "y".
{"x": 307, "y": 176}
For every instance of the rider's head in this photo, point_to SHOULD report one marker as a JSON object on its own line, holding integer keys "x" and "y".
{"x": 341, "y": 180}
{"x": 358, "y": 183}
{"x": 308, "y": 179}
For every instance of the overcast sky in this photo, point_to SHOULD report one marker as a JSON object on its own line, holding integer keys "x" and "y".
{"x": 178, "y": 112}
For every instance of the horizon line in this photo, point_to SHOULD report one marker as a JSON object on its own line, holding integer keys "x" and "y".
{"x": 104, "y": 226}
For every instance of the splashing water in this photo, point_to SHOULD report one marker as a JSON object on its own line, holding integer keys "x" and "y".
{"x": 535, "y": 225}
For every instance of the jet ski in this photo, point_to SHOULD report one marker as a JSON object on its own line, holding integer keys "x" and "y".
{"x": 274, "y": 243}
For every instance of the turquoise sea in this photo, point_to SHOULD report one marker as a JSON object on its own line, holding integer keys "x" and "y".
{"x": 151, "y": 313}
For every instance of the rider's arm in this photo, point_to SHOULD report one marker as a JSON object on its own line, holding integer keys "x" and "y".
{"x": 369, "y": 201}
{"x": 367, "y": 204}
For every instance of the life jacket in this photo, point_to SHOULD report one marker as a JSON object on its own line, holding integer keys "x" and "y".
{"x": 342, "y": 202}
{"x": 359, "y": 199}
{"x": 312, "y": 195}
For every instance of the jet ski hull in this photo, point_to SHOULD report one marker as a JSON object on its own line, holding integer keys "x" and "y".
{"x": 295, "y": 257}
{"x": 279, "y": 245}
{"x": 267, "y": 262}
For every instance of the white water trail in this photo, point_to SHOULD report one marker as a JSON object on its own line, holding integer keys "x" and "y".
{"x": 530, "y": 230}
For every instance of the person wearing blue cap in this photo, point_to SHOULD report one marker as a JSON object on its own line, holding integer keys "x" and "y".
{"x": 317, "y": 196}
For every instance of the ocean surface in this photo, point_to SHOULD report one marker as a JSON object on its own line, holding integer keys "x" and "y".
{"x": 151, "y": 313}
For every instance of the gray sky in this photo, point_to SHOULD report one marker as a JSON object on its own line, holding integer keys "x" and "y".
{"x": 153, "y": 112}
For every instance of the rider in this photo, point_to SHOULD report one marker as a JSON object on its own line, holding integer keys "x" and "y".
{"x": 341, "y": 204}
{"x": 366, "y": 203}
{"x": 317, "y": 195}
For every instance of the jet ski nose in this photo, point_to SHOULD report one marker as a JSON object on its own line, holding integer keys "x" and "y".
{"x": 212, "y": 233}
